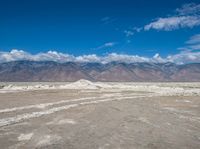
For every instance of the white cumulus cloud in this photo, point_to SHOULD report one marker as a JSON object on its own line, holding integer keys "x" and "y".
{"x": 172, "y": 23}
{"x": 188, "y": 16}
{"x": 188, "y": 9}
{"x": 185, "y": 57}
{"x": 180, "y": 58}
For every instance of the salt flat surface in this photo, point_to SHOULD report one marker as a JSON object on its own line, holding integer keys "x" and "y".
{"x": 159, "y": 88}
{"x": 107, "y": 115}
{"x": 24, "y": 137}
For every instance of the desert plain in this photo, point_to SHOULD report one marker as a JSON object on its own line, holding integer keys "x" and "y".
{"x": 99, "y": 115}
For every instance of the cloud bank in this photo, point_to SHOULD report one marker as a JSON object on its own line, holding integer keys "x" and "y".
{"x": 16, "y": 55}
{"x": 188, "y": 16}
{"x": 188, "y": 9}
{"x": 172, "y": 23}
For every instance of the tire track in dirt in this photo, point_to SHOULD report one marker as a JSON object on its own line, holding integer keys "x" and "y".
{"x": 44, "y": 105}
{"x": 80, "y": 102}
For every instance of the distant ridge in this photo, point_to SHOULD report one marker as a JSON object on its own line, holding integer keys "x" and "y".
{"x": 32, "y": 71}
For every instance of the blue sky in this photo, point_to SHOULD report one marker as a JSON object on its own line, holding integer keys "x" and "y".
{"x": 85, "y": 27}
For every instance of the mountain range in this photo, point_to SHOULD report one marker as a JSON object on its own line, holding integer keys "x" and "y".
{"x": 17, "y": 71}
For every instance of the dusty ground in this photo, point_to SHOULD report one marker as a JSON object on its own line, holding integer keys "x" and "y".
{"x": 98, "y": 119}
